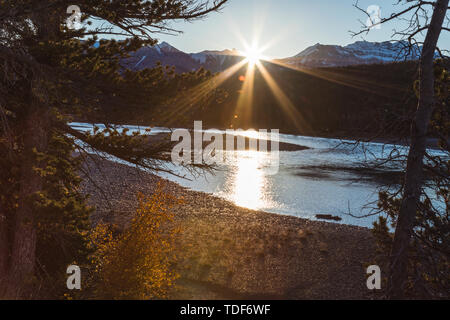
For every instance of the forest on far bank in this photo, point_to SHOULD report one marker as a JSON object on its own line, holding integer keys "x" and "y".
{"x": 363, "y": 101}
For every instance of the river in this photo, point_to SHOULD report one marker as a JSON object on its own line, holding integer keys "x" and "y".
{"x": 331, "y": 177}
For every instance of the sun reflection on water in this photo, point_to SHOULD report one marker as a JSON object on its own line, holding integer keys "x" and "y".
{"x": 249, "y": 184}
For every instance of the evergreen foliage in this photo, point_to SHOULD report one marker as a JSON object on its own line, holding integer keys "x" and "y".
{"x": 48, "y": 74}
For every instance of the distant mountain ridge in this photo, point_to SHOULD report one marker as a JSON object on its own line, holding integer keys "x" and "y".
{"x": 318, "y": 55}
{"x": 167, "y": 55}
{"x": 359, "y": 52}
{"x": 148, "y": 57}
{"x": 217, "y": 61}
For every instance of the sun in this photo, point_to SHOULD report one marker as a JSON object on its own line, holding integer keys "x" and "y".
{"x": 253, "y": 55}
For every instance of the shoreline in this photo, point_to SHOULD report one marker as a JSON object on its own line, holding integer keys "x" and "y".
{"x": 432, "y": 142}
{"x": 236, "y": 253}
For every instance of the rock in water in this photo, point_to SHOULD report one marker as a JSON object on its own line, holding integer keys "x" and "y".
{"x": 328, "y": 217}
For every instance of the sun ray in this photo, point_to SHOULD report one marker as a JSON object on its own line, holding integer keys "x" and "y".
{"x": 253, "y": 57}
{"x": 244, "y": 105}
{"x": 283, "y": 99}
{"x": 186, "y": 101}
{"x": 346, "y": 80}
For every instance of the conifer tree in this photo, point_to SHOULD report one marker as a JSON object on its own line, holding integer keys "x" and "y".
{"x": 50, "y": 70}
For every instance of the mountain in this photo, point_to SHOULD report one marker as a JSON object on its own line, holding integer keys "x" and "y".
{"x": 217, "y": 61}
{"x": 360, "y": 52}
{"x": 147, "y": 57}
{"x": 319, "y": 55}
{"x": 167, "y": 55}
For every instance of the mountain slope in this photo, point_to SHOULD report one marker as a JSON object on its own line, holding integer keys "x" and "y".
{"x": 217, "y": 61}
{"x": 319, "y": 55}
{"x": 360, "y": 52}
{"x": 147, "y": 57}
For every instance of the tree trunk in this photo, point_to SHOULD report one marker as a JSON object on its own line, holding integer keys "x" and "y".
{"x": 4, "y": 247}
{"x": 23, "y": 250}
{"x": 414, "y": 170}
{"x": 21, "y": 242}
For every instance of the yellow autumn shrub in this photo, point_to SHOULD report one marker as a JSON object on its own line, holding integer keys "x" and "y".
{"x": 137, "y": 263}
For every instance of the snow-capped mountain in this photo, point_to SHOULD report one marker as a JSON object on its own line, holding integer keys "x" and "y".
{"x": 319, "y": 55}
{"x": 360, "y": 52}
{"x": 148, "y": 57}
{"x": 216, "y": 61}
{"x": 167, "y": 55}
{"x": 203, "y": 56}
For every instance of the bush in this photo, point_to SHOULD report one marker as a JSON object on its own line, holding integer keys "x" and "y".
{"x": 137, "y": 263}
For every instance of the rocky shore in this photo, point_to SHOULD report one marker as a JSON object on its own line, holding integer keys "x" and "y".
{"x": 231, "y": 252}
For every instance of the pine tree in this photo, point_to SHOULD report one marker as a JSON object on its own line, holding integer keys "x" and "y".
{"x": 49, "y": 71}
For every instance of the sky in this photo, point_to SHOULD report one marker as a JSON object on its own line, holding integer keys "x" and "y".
{"x": 285, "y": 27}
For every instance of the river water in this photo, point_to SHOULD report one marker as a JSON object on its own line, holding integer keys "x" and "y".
{"x": 329, "y": 178}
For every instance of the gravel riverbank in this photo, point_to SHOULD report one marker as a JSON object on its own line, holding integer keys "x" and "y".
{"x": 236, "y": 253}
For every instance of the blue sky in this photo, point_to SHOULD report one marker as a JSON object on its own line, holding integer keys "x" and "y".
{"x": 288, "y": 25}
